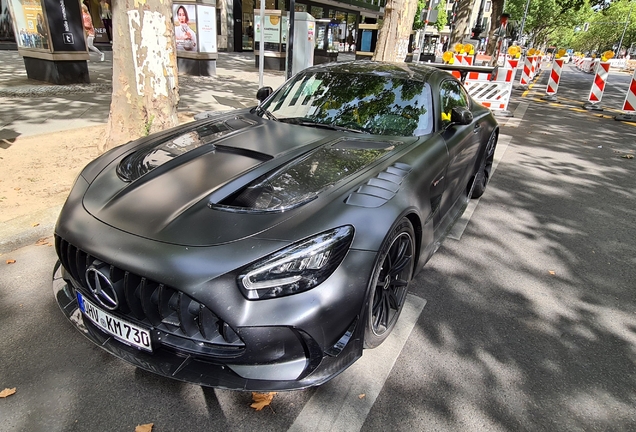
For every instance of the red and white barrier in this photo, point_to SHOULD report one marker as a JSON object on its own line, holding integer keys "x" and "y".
{"x": 493, "y": 94}
{"x": 511, "y": 63}
{"x": 553, "y": 80}
{"x": 629, "y": 106}
{"x": 525, "y": 73}
{"x": 598, "y": 86}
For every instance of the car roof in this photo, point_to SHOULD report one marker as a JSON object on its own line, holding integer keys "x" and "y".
{"x": 410, "y": 71}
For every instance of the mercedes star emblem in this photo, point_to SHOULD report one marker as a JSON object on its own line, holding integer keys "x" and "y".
{"x": 102, "y": 288}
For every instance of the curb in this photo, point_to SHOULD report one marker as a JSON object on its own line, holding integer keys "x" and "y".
{"x": 20, "y": 232}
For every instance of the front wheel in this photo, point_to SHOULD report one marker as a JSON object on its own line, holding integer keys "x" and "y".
{"x": 485, "y": 168}
{"x": 391, "y": 275}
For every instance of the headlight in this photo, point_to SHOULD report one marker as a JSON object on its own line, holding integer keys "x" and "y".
{"x": 297, "y": 268}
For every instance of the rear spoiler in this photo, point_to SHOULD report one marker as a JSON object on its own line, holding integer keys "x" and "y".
{"x": 463, "y": 69}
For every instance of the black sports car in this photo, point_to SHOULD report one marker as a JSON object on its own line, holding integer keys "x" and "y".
{"x": 264, "y": 248}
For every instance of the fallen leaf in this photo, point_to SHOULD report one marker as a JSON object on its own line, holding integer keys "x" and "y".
{"x": 629, "y": 156}
{"x": 10, "y": 261}
{"x": 35, "y": 224}
{"x": 362, "y": 396}
{"x": 43, "y": 241}
{"x": 261, "y": 400}
{"x": 7, "y": 392}
{"x": 144, "y": 427}
{"x": 552, "y": 272}
{"x": 17, "y": 189}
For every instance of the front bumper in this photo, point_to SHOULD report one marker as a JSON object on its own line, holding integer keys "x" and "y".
{"x": 276, "y": 357}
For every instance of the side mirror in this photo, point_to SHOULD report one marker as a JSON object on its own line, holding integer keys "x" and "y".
{"x": 263, "y": 93}
{"x": 461, "y": 115}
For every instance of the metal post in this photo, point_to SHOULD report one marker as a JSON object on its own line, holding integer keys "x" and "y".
{"x": 523, "y": 20}
{"x": 618, "y": 51}
{"x": 290, "y": 38}
{"x": 261, "y": 46}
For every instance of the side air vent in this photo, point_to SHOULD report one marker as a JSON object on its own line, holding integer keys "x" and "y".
{"x": 381, "y": 188}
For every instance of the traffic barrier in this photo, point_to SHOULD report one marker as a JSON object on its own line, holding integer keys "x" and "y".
{"x": 553, "y": 80}
{"x": 512, "y": 63}
{"x": 629, "y": 106}
{"x": 598, "y": 87}
{"x": 525, "y": 73}
{"x": 493, "y": 94}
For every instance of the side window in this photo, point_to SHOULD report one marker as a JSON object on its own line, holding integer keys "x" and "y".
{"x": 452, "y": 95}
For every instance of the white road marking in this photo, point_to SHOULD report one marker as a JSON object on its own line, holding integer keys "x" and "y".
{"x": 517, "y": 116}
{"x": 337, "y": 405}
{"x": 458, "y": 229}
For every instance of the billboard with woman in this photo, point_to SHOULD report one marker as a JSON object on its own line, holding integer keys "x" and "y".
{"x": 185, "y": 25}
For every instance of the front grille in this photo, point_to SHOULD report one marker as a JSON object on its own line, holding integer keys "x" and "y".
{"x": 154, "y": 304}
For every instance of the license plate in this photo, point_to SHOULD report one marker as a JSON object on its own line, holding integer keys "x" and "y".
{"x": 122, "y": 330}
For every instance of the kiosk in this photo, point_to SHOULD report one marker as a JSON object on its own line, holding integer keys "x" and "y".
{"x": 195, "y": 36}
{"x": 326, "y": 48}
{"x": 274, "y": 36}
{"x": 50, "y": 38}
{"x": 366, "y": 41}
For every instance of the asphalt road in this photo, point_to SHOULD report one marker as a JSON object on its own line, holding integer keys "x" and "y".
{"x": 525, "y": 320}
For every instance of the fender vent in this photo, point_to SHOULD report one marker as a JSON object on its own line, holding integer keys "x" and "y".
{"x": 381, "y": 188}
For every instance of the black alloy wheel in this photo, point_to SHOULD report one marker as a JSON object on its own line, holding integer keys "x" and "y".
{"x": 485, "y": 168}
{"x": 389, "y": 283}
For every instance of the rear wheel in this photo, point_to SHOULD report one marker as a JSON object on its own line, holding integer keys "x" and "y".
{"x": 482, "y": 175}
{"x": 389, "y": 281}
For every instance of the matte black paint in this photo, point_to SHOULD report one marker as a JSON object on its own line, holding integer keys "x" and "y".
{"x": 169, "y": 226}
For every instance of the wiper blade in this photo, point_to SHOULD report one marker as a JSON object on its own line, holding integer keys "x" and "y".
{"x": 266, "y": 113}
{"x": 303, "y": 122}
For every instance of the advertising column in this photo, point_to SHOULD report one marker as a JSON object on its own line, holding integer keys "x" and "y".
{"x": 272, "y": 31}
{"x": 50, "y": 38}
{"x": 195, "y": 35}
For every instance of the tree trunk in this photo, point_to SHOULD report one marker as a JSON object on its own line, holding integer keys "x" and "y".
{"x": 393, "y": 36}
{"x": 497, "y": 10}
{"x": 461, "y": 27}
{"x": 145, "y": 80}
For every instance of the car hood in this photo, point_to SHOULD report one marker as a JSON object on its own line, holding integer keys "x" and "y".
{"x": 182, "y": 187}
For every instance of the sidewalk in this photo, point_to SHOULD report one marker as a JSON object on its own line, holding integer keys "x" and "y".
{"x": 31, "y": 108}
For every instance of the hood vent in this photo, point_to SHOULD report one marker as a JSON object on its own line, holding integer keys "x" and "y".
{"x": 153, "y": 155}
{"x": 300, "y": 181}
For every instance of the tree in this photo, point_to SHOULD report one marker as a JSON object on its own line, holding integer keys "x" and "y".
{"x": 145, "y": 80}
{"x": 462, "y": 24}
{"x": 544, "y": 17}
{"x": 606, "y": 28}
{"x": 393, "y": 36}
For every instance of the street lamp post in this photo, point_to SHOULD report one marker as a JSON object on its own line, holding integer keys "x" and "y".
{"x": 618, "y": 51}
{"x": 480, "y": 17}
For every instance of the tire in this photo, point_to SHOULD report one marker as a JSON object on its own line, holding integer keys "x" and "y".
{"x": 482, "y": 176}
{"x": 391, "y": 275}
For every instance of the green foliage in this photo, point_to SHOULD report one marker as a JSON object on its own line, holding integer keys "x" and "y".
{"x": 546, "y": 18}
{"x": 606, "y": 27}
{"x": 422, "y": 6}
{"x": 442, "y": 19}
{"x": 417, "y": 20}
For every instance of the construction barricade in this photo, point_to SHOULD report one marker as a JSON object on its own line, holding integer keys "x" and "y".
{"x": 491, "y": 93}
{"x": 553, "y": 80}
{"x": 598, "y": 87}
{"x": 629, "y": 106}
{"x": 526, "y": 72}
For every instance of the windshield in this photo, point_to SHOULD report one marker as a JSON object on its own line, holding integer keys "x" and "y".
{"x": 376, "y": 104}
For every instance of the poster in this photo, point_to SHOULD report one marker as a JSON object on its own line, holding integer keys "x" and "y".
{"x": 31, "y": 29}
{"x": 185, "y": 26}
{"x": 66, "y": 31}
{"x": 272, "y": 28}
{"x": 206, "y": 19}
